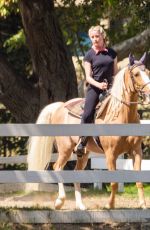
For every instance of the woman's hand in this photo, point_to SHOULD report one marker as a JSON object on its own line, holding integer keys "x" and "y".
{"x": 102, "y": 85}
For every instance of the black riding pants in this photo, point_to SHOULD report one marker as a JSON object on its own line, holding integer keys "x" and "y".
{"x": 91, "y": 100}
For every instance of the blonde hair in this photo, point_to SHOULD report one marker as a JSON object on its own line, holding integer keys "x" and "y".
{"x": 100, "y": 30}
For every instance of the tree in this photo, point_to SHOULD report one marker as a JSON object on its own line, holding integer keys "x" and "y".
{"x": 51, "y": 62}
{"x": 35, "y": 65}
{"x": 125, "y": 22}
{"x": 137, "y": 44}
{"x": 52, "y": 76}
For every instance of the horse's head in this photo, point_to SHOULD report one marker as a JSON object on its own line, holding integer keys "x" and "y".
{"x": 140, "y": 76}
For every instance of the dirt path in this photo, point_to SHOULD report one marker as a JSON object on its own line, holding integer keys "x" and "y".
{"x": 46, "y": 200}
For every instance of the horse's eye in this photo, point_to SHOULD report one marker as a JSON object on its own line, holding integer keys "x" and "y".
{"x": 136, "y": 74}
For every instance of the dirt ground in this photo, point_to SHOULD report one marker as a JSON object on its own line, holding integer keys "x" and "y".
{"x": 92, "y": 202}
{"x": 47, "y": 199}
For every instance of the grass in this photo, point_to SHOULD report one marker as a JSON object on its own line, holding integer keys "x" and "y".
{"x": 129, "y": 190}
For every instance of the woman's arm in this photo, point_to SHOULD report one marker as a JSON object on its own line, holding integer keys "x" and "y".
{"x": 89, "y": 78}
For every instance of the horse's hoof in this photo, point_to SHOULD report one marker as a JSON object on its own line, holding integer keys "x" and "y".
{"x": 143, "y": 205}
{"x": 59, "y": 203}
{"x": 108, "y": 206}
{"x": 81, "y": 207}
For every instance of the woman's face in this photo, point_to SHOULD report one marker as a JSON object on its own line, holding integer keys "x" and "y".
{"x": 96, "y": 38}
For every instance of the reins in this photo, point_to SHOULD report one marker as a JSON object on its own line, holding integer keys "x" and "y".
{"x": 131, "y": 102}
{"x": 140, "y": 91}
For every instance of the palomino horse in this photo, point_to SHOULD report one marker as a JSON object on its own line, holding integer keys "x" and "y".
{"x": 121, "y": 108}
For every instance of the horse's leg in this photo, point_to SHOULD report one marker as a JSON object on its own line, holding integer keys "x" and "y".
{"x": 137, "y": 159}
{"x": 111, "y": 164}
{"x": 61, "y": 191}
{"x": 80, "y": 164}
{"x": 59, "y": 202}
{"x": 65, "y": 151}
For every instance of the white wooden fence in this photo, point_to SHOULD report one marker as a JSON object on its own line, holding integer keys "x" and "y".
{"x": 142, "y": 129}
{"x": 98, "y": 162}
{"x": 87, "y": 176}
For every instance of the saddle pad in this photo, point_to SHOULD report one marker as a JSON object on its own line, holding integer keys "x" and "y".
{"x": 75, "y": 106}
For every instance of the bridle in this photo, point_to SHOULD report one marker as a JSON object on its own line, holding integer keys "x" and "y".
{"x": 137, "y": 88}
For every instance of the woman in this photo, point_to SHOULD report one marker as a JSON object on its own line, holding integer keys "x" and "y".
{"x": 100, "y": 64}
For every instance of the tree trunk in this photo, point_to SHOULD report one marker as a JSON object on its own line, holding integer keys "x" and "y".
{"x": 18, "y": 95}
{"x": 50, "y": 59}
{"x": 52, "y": 65}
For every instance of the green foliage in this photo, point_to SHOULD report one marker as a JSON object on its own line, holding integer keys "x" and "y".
{"x": 131, "y": 190}
{"x": 7, "y": 7}
{"x": 15, "y": 42}
{"x": 10, "y": 146}
{"x": 120, "y": 19}
{"x": 76, "y": 19}
{"x": 126, "y": 19}
{"x": 12, "y": 42}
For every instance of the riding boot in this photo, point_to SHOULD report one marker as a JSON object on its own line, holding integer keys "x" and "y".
{"x": 80, "y": 150}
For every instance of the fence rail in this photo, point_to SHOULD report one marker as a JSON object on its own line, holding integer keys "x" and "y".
{"x": 142, "y": 129}
{"x": 123, "y": 164}
{"x": 76, "y": 216}
{"x": 89, "y": 129}
{"x": 23, "y": 158}
{"x": 88, "y": 176}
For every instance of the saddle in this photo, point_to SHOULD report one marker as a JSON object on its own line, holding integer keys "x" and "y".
{"x": 75, "y": 106}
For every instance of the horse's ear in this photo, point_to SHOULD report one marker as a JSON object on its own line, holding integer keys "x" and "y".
{"x": 143, "y": 58}
{"x": 131, "y": 59}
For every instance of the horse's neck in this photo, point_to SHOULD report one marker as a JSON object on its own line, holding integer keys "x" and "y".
{"x": 128, "y": 111}
{"x": 120, "y": 108}
{"x": 122, "y": 111}
{"x": 130, "y": 99}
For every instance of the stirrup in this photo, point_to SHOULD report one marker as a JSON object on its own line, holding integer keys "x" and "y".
{"x": 79, "y": 150}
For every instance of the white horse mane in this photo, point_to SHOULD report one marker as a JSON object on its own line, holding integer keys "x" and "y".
{"x": 118, "y": 84}
{"x": 117, "y": 92}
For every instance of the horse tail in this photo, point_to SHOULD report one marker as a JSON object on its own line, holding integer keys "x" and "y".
{"x": 40, "y": 147}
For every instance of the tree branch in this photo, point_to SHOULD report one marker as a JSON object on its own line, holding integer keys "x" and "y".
{"x": 137, "y": 44}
